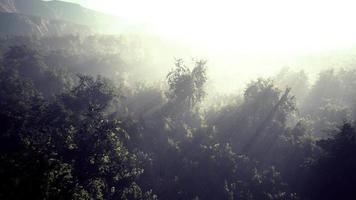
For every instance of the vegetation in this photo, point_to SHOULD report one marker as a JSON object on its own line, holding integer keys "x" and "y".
{"x": 71, "y": 128}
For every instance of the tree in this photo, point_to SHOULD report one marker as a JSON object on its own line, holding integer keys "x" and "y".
{"x": 256, "y": 124}
{"x": 30, "y": 64}
{"x": 68, "y": 148}
{"x": 186, "y": 87}
{"x": 334, "y": 173}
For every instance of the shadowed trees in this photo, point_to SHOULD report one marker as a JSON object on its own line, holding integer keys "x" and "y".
{"x": 333, "y": 174}
{"x": 73, "y": 136}
{"x": 65, "y": 148}
{"x": 259, "y": 120}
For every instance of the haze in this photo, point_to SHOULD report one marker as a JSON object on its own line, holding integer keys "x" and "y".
{"x": 257, "y": 26}
{"x": 245, "y": 39}
{"x": 199, "y": 100}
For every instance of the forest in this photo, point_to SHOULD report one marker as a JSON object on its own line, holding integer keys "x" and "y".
{"x": 76, "y": 124}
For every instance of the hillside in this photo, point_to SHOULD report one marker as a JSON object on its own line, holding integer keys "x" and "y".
{"x": 19, "y": 24}
{"x": 36, "y": 17}
{"x": 7, "y": 6}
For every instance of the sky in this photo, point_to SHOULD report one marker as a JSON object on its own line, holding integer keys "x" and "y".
{"x": 266, "y": 25}
{"x": 245, "y": 39}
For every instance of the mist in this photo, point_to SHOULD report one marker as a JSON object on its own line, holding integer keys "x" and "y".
{"x": 177, "y": 100}
{"x": 246, "y": 39}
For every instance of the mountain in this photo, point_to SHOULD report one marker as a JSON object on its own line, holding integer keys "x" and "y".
{"x": 36, "y": 17}
{"x": 19, "y": 24}
{"x": 7, "y": 6}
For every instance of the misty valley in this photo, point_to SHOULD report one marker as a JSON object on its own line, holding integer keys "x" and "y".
{"x": 95, "y": 107}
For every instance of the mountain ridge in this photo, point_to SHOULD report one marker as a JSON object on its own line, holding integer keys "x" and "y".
{"x": 56, "y": 18}
{"x": 19, "y": 24}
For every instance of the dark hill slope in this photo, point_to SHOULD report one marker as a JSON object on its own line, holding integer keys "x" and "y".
{"x": 66, "y": 12}
{"x": 19, "y": 24}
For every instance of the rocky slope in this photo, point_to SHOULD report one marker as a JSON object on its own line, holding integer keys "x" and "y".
{"x": 37, "y": 17}
{"x": 7, "y": 6}
{"x": 19, "y": 24}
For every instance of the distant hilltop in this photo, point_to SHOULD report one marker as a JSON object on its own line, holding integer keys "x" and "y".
{"x": 48, "y": 18}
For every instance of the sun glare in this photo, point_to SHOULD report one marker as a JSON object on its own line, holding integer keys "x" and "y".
{"x": 275, "y": 25}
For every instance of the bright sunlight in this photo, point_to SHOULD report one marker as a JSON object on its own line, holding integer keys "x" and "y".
{"x": 177, "y": 99}
{"x": 272, "y": 26}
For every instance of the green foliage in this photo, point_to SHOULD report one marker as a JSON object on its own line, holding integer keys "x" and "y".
{"x": 29, "y": 64}
{"x": 333, "y": 173}
{"x": 72, "y": 136}
{"x": 66, "y": 148}
{"x": 186, "y": 86}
